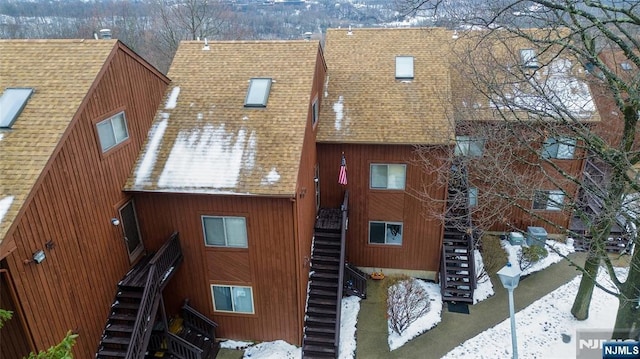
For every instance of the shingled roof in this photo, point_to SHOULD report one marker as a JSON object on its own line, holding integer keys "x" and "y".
{"x": 365, "y": 103}
{"x": 61, "y": 72}
{"x": 204, "y": 140}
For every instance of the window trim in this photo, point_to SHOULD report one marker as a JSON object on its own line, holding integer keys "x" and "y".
{"x": 409, "y": 71}
{"x": 315, "y": 112}
{"x": 475, "y": 196}
{"x": 204, "y": 232}
{"x": 267, "y": 92}
{"x": 559, "y": 141}
{"x": 549, "y": 206}
{"x": 110, "y": 119}
{"x": 231, "y": 286}
{"x": 468, "y": 140}
{"x": 404, "y": 186}
{"x": 385, "y": 234}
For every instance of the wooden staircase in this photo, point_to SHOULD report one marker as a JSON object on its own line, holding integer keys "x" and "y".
{"x": 322, "y": 320}
{"x": 131, "y": 321}
{"x": 457, "y": 271}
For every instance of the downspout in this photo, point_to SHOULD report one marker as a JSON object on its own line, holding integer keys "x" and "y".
{"x": 296, "y": 246}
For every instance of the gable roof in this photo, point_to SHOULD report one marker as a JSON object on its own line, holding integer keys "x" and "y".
{"x": 61, "y": 72}
{"x": 365, "y": 103}
{"x": 204, "y": 140}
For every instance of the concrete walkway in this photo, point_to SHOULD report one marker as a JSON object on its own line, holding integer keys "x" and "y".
{"x": 455, "y": 328}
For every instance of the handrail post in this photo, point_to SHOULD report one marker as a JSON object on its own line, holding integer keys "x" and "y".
{"x": 343, "y": 235}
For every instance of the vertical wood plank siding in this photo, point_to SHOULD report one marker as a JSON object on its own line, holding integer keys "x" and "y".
{"x": 14, "y": 342}
{"x": 72, "y": 205}
{"x": 422, "y": 237}
{"x": 267, "y": 265}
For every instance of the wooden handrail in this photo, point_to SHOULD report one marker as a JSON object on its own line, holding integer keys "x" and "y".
{"x": 355, "y": 280}
{"x": 183, "y": 348}
{"x": 159, "y": 268}
{"x": 198, "y": 322}
{"x": 343, "y": 234}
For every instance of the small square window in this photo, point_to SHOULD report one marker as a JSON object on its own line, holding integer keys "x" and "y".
{"x": 529, "y": 58}
{"x": 385, "y": 233}
{"x": 469, "y": 146}
{"x": 235, "y": 299}
{"x": 626, "y": 66}
{"x": 388, "y": 176}
{"x": 562, "y": 148}
{"x": 112, "y": 131}
{"x": 225, "y": 231}
{"x": 404, "y": 67}
{"x": 12, "y": 102}
{"x": 548, "y": 200}
{"x": 258, "y": 92}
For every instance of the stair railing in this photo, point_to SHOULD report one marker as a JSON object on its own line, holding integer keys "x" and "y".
{"x": 355, "y": 281}
{"x": 343, "y": 236}
{"x": 182, "y": 348}
{"x": 198, "y": 322}
{"x": 160, "y": 267}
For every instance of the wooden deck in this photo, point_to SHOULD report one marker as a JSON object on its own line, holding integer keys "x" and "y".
{"x": 329, "y": 219}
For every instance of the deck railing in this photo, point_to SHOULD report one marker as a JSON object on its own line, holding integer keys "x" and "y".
{"x": 343, "y": 234}
{"x": 160, "y": 267}
{"x": 198, "y": 322}
{"x": 182, "y": 348}
{"x": 355, "y": 281}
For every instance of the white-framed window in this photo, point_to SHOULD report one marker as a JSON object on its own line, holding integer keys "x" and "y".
{"x": 404, "y": 67}
{"x": 314, "y": 112}
{"x": 388, "y": 176}
{"x": 469, "y": 146}
{"x": 549, "y": 200}
{"x": 473, "y": 196}
{"x": 112, "y": 131}
{"x": 258, "y": 92}
{"x": 529, "y": 58}
{"x": 232, "y": 299}
{"x": 225, "y": 231}
{"x": 385, "y": 233}
{"x": 563, "y": 148}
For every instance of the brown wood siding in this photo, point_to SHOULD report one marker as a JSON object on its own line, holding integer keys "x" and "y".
{"x": 14, "y": 342}
{"x": 422, "y": 238}
{"x": 269, "y": 268}
{"x": 72, "y": 206}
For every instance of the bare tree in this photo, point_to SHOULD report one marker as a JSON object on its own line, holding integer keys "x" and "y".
{"x": 538, "y": 96}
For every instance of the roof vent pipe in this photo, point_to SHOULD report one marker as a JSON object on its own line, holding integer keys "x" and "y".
{"x": 307, "y": 35}
{"x": 105, "y": 34}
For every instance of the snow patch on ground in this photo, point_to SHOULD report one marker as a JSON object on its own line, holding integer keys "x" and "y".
{"x": 235, "y": 344}
{"x": 348, "y": 321}
{"x": 172, "y": 100}
{"x": 278, "y": 349}
{"x": 554, "y": 248}
{"x": 484, "y": 289}
{"x": 424, "y": 323}
{"x": 540, "y": 326}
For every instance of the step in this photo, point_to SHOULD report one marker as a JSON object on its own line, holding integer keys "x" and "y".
{"x": 328, "y": 259}
{"x": 123, "y": 316}
{"x": 327, "y": 234}
{"x": 119, "y": 328}
{"x": 129, "y": 294}
{"x": 116, "y": 340}
{"x": 326, "y": 243}
{"x": 323, "y": 284}
{"x": 457, "y": 291}
{"x": 312, "y": 321}
{"x": 332, "y": 268}
{"x": 457, "y": 275}
{"x": 321, "y": 311}
{"x": 317, "y": 349}
{"x": 324, "y": 302}
{"x": 323, "y": 275}
{"x": 321, "y": 331}
{"x": 323, "y": 293}
{"x": 109, "y": 353}
{"x": 125, "y": 305}
{"x": 331, "y": 252}
{"x": 457, "y": 283}
{"x": 319, "y": 340}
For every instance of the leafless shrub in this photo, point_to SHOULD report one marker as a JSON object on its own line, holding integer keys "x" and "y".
{"x": 406, "y": 302}
{"x": 493, "y": 256}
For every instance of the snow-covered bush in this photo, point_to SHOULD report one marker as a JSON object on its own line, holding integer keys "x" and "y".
{"x": 406, "y": 302}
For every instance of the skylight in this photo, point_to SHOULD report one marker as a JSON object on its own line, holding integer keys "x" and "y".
{"x": 404, "y": 67}
{"x": 258, "y": 92}
{"x": 12, "y": 102}
{"x": 626, "y": 66}
{"x": 529, "y": 58}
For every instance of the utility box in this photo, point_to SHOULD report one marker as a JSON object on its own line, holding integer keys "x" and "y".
{"x": 536, "y": 236}
{"x": 516, "y": 238}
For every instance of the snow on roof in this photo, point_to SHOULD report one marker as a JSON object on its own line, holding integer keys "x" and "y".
{"x": 172, "y": 100}
{"x": 272, "y": 177}
{"x": 553, "y": 90}
{"x": 209, "y": 157}
{"x": 338, "y": 108}
{"x": 143, "y": 172}
{"x": 5, "y": 203}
